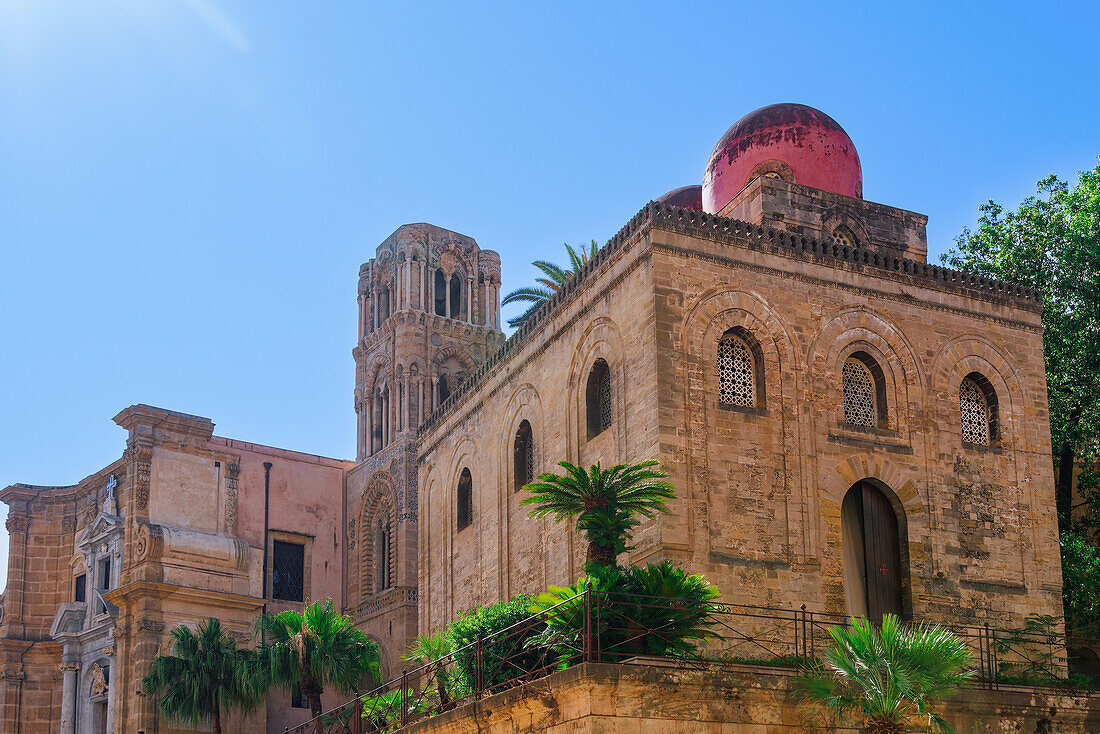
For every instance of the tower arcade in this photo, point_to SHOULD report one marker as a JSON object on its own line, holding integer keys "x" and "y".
{"x": 429, "y": 314}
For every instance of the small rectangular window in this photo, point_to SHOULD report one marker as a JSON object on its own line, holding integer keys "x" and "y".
{"x": 287, "y": 571}
{"x": 297, "y": 700}
{"x": 80, "y": 588}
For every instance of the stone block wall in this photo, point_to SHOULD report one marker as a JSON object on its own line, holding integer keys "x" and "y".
{"x": 609, "y": 699}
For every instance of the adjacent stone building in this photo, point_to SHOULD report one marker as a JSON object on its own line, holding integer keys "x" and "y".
{"x": 849, "y": 428}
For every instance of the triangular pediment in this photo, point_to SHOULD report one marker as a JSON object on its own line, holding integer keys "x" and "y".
{"x": 102, "y": 525}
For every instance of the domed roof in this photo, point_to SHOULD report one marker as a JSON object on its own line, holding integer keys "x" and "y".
{"x": 790, "y": 141}
{"x": 689, "y": 197}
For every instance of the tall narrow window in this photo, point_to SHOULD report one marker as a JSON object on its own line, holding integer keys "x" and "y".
{"x": 444, "y": 390}
{"x": 382, "y": 548}
{"x": 287, "y": 571}
{"x": 598, "y": 399}
{"x": 863, "y": 392}
{"x": 80, "y": 585}
{"x": 736, "y": 372}
{"x": 465, "y": 499}
{"x": 456, "y": 297}
{"x": 523, "y": 456}
{"x": 440, "y": 293}
{"x": 977, "y": 410}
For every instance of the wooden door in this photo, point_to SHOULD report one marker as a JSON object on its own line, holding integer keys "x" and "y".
{"x": 881, "y": 552}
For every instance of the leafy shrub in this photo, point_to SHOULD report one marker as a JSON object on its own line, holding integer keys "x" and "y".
{"x": 657, "y": 609}
{"x": 506, "y": 658}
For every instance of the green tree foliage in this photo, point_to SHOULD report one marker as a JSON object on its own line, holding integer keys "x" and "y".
{"x": 431, "y": 649}
{"x": 892, "y": 675}
{"x": 1052, "y": 243}
{"x": 496, "y": 636}
{"x": 205, "y": 676}
{"x": 1081, "y": 585}
{"x": 606, "y": 503}
{"x": 554, "y": 277}
{"x": 658, "y": 609}
{"x": 316, "y": 648}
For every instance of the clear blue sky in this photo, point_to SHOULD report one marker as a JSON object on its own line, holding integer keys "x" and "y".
{"x": 187, "y": 187}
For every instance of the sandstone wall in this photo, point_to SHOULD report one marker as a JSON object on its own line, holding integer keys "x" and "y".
{"x": 504, "y": 552}
{"x": 607, "y": 699}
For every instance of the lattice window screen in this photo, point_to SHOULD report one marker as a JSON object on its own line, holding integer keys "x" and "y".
{"x": 736, "y": 372}
{"x": 974, "y": 412}
{"x": 605, "y": 399}
{"x": 843, "y": 236}
{"x": 860, "y": 407}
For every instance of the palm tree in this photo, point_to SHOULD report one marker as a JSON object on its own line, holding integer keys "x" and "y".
{"x": 555, "y": 277}
{"x": 315, "y": 648}
{"x": 891, "y": 675}
{"x": 206, "y": 674}
{"x": 432, "y": 648}
{"x": 605, "y": 502}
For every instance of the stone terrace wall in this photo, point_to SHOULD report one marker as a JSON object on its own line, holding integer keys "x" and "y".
{"x": 611, "y": 699}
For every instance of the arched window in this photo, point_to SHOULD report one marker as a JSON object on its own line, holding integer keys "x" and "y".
{"x": 465, "y": 499}
{"x": 456, "y": 297}
{"x": 737, "y": 371}
{"x": 440, "y": 293}
{"x": 977, "y": 410}
{"x": 523, "y": 452}
{"x": 864, "y": 391}
{"x": 843, "y": 236}
{"x": 444, "y": 390}
{"x": 598, "y": 399}
{"x": 383, "y": 577}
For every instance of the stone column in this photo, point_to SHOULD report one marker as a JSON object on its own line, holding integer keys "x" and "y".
{"x": 374, "y": 309}
{"x": 420, "y": 397}
{"x": 370, "y": 425}
{"x": 470, "y": 299}
{"x": 112, "y": 691}
{"x": 408, "y": 403}
{"x": 433, "y": 395}
{"x": 447, "y": 304}
{"x": 385, "y": 418}
{"x": 68, "y": 697}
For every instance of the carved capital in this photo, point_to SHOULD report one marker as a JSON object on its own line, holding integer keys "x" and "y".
{"x": 69, "y": 667}
{"x": 140, "y": 458}
{"x": 17, "y": 523}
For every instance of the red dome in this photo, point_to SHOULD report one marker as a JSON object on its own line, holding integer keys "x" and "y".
{"x": 689, "y": 197}
{"x": 790, "y": 141}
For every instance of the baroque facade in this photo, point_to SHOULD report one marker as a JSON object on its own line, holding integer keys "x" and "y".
{"x": 848, "y": 427}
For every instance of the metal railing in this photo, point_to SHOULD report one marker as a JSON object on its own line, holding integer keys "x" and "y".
{"x": 633, "y": 630}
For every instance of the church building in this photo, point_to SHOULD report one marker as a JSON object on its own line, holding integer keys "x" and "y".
{"x": 848, "y": 428}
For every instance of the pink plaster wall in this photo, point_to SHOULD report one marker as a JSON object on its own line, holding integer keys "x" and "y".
{"x": 306, "y": 497}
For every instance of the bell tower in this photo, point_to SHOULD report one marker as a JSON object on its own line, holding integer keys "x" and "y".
{"x": 429, "y": 315}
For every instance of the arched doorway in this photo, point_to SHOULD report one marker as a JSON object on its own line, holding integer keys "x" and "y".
{"x": 873, "y": 567}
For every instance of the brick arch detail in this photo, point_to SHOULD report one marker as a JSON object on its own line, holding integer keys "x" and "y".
{"x": 767, "y": 327}
{"x": 525, "y": 403}
{"x": 716, "y": 312}
{"x": 856, "y": 328}
{"x": 380, "y": 497}
{"x": 602, "y": 338}
{"x": 901, "y": 489}
{"x": 972, "y": 353}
